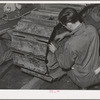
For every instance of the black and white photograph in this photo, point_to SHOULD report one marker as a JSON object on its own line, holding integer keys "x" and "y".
{"x": 50, "y": 46}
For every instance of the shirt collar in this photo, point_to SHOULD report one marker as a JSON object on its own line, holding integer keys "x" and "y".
{"x": 79, "y": 30}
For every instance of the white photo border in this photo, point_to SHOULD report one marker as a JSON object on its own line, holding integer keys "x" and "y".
{"x": 46, "y": 94}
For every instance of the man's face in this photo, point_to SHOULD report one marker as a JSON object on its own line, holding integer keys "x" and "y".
{"x": 70, "y": 26}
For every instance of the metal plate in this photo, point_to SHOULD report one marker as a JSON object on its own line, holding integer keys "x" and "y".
{"x": 32, "y": 64}
{"x": 37, "y": 28}
{"x": 36, "y": 47}
{"x": 44, "y": 77}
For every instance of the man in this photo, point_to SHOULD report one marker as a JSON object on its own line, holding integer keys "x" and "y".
{"x": 57, "y": 38}
{"x": 80, "y": 53}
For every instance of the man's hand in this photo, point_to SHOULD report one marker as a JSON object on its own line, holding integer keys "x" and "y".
{"x": 58, "y": 74}
{"x": 61, "y": 36}
{"x": 52, "y": 48}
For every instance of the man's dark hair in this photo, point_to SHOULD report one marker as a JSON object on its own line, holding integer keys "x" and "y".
{"x": 69, "y": 15}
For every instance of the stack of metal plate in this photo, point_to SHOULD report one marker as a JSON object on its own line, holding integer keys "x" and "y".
{"x": 29, "y": 42}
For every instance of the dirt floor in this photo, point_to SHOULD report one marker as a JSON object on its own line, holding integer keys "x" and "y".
{"x": 12, "y": 78}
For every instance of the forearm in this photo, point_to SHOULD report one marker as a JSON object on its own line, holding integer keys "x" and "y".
{"x": 65, "y": 57}
{"x": 67, "y": 33}
{"x": 62, "y": 35}
{"x": 62, "y": 59}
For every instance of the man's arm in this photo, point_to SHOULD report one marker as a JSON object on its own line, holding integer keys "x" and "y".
{"x": 65, "y": 57}
{"x": 61, "y": 36}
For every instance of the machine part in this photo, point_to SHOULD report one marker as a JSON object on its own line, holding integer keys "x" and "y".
{"x": 44, "y": 77}
{"x": 29, "y": 63}
{"x": 36, "y": 47}
{"x": 39, "y": 27}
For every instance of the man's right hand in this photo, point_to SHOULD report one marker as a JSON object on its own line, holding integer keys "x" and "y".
{"x": 52, "y": 48}
{"x": 58, "y": 74}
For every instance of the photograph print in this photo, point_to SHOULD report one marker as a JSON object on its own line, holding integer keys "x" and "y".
{"x": 50, "y": 46}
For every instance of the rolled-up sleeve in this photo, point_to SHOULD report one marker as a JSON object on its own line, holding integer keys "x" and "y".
{"x": 65, "y": 57}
